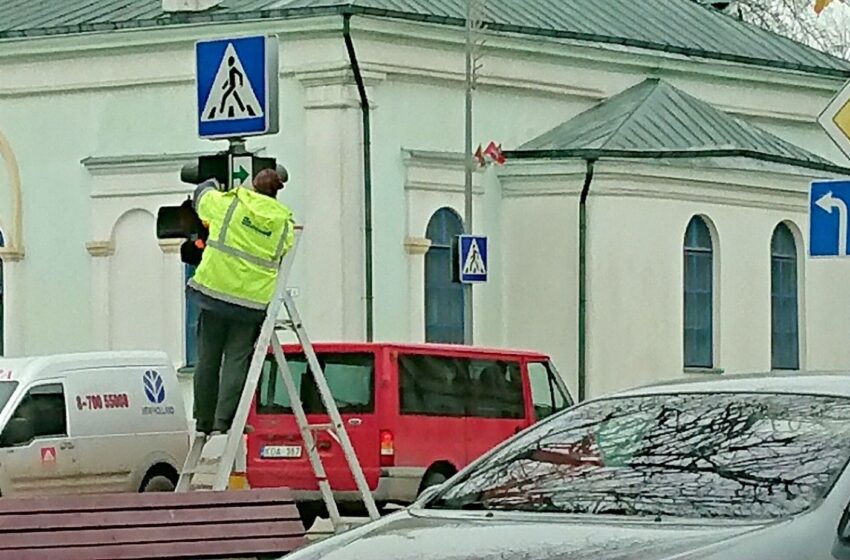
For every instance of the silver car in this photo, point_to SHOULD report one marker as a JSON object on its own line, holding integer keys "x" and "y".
{"x": 737, "y": 468}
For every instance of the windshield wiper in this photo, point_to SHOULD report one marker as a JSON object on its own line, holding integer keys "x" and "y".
{"x": 467, "y": 503}
{"x": 475, "y": 506}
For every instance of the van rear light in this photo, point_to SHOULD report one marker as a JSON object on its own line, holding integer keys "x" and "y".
{"x": 387, "y": 448}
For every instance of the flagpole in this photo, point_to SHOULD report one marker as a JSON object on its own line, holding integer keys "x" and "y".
{"x": 468, "y": 167}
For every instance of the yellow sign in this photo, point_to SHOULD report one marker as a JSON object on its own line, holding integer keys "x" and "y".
{"x": 835, "y": 119}
{"x": 842, "y": 119}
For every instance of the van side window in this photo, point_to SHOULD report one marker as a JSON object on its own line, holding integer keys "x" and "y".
{"x": 350, "y": 378}
{"x": 432, "y": 385}
{"x": 44, "y": 408}
{"x": 545, "y": 392}
{"x": 496, "y": 389}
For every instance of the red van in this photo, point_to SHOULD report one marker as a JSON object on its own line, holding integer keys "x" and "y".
{"x": 416, "y": 414}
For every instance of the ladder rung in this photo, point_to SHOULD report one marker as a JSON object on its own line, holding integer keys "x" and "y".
{"x": 319, "y": 427}
{"x": 203, "y": 467}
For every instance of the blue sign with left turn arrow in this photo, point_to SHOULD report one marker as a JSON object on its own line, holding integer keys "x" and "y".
{"x": 828, "y": 207}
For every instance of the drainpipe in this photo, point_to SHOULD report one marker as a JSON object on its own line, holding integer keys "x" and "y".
{"x": 367, "y": 174}
{"x": 582, "y": 281}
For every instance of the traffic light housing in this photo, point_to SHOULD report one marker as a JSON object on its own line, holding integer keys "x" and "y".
{"x": 218, "y": 167}
{"x": 182, "y": 222}
{"x": 207, "y": 167}
{"x": 261, "y": 163}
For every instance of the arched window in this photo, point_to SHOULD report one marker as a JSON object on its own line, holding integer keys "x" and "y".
{"x": 699, "y": 295}
{"x": 443, "y": 297}
{"x": 2, "y": 298}
{"x": 784, "y": 334}
{"x": 192, "y": 312}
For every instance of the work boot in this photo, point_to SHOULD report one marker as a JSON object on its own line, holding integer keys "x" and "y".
{"x": 203, "y": 429}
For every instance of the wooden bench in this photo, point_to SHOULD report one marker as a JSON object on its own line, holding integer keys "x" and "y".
{"x": 235, "y": 524}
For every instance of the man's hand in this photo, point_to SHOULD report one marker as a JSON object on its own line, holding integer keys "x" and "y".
{"x": 191, "y": 253}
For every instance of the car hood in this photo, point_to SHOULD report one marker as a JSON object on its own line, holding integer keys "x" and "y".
{"x": 416, "y": 534}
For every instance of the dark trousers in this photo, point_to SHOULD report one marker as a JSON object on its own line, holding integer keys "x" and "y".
{"x": 225, "y": 347}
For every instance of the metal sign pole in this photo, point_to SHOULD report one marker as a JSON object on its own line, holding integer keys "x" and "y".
{"x": 473, "y": 25}
{"x": 467, "y": 220}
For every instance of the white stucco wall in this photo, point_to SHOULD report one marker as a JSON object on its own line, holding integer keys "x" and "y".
{"x": 541, "y": 280}
{"x": 637, "y": 216}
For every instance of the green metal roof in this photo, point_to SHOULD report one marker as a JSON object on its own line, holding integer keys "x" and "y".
{"x": 674, "y": 26}
{"x": 655, "y": 120}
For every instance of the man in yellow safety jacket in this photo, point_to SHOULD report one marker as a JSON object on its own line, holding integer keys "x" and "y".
{"x": 249, "y": 233}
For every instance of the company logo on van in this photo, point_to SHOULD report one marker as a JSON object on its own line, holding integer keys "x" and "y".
{"x": 155, "y": 392}
{"x": 154, "y": 388}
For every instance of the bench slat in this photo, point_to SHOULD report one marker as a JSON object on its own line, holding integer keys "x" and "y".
{"x": 133, "y": 535}
{"x": 166, "y": 516}
{"x": 154, "y": 500}
{"x": 205, "y": 549}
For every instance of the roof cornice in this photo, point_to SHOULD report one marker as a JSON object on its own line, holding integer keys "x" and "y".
{"x": 596, "y": 155}
{"x": 189, "y": 20}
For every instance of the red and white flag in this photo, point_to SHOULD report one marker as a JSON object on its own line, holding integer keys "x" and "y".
{"x": 479, "y": 157}
{"x": 494, "y": 152}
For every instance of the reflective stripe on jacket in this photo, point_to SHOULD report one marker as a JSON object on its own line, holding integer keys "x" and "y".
{"x": 249, "y": 233}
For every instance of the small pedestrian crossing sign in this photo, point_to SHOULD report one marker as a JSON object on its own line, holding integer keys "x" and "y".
{"x": 472, "y": 258}
{"x": 237, "y": 82}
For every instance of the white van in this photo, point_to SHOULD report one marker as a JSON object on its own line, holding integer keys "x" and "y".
{"x": 90, "y": 423}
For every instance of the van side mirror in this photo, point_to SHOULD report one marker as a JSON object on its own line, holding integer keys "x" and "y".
{"x": 18, "y": 431}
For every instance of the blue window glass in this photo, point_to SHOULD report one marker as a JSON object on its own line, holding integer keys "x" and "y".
{"x": 443, "y": 297}
{"x": 784, "y": 339}
{"x": 699, "y": 295}
{"x": 2, "y": 297}
{"x": 192, "y": 311}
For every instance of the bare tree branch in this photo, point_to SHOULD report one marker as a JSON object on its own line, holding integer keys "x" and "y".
{"x": 797, "y": 20}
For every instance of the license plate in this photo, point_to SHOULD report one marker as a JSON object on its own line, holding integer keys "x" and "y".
{"x": 281, "y": 452}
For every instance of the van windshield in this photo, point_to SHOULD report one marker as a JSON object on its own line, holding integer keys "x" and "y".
{"x": 6, "y": 390}
{"x": 350, "y": 377}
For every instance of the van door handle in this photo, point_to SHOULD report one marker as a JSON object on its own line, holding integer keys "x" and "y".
{"x": 354, "y": 421}
{"x": 66, "y": 445}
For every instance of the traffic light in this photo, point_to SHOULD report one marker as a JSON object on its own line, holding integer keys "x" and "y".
{"x": 178, "y": 222}
{"x": 261, "y": 163}
{"x": 229, "y": 169}
{"x": 207, "y": 167}
{"x": 181, "y": 222}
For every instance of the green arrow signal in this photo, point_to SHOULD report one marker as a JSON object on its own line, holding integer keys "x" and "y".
{"x": 241, "y": 175}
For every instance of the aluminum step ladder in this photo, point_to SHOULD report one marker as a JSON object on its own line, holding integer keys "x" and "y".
{"x": 210, "y": 460}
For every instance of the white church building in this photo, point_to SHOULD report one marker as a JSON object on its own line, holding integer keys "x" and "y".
{"x": 651, "y": 220}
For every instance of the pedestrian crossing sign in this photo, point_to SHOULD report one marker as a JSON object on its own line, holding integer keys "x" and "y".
{"x": 472, "y": 258}
{"x": 237, "y": 81}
